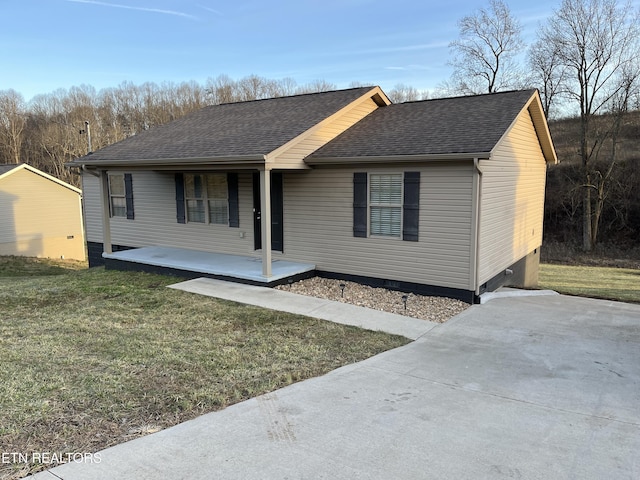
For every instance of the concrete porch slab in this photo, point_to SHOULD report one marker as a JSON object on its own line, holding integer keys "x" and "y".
{"x": 218, "y": 265}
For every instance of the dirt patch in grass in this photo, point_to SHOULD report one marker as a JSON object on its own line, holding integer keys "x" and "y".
{"x": 93, "y": 358}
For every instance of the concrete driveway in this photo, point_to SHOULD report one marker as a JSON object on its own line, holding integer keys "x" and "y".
{"x": 527, "y": 387}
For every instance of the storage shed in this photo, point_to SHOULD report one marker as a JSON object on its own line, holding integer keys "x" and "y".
{"x": 41, "y": 215}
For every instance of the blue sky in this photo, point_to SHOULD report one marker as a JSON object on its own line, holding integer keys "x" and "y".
{"x": 51, "y": 44}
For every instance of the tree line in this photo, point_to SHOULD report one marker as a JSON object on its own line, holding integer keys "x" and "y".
{"x": 53, "y": 129}
{"x": 585, "y": 62}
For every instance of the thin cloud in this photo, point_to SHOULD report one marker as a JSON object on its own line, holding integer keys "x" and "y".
{"x": 396, "y": 49}
{"x": 212, "y": 10}
{"x": 140, "y": 9}
{"x": 408, "y": 67}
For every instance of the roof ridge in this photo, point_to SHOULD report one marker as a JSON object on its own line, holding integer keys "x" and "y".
{"x": 457, "y": 97}
{"x": 297, "y": 95}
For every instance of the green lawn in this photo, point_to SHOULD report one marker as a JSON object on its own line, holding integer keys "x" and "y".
{"x": 92, "y": 358}
{"x": 621, "y": 284}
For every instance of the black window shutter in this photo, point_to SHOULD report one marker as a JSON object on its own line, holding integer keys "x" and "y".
{"x": 180, "y": 213}
{"x": 411, "y": 206}
{"x": 128, "y": 193}
{"x": 360, "y": 204}
{"x": 234, "y": 210}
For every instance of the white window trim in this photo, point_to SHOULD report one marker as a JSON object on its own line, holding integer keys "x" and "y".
{"x": 113, "y": 195}
{"x": 392, "y": 205}
{"x": 205, "y": 199}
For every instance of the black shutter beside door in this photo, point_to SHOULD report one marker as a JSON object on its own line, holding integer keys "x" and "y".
{"x": 180, "y": 213}
{"x": 234, "y": 204}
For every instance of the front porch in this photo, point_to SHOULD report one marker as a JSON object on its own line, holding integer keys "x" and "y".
{"x": 193, "y": 263}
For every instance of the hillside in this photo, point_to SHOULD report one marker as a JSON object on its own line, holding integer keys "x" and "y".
{"x": 620, "y": 221}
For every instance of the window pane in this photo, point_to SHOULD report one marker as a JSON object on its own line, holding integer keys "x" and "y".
{"x": 386, "y": 221}
{"x": 218, "y": 212}
{"x": 386, "y": 188}
{"x": 188, "y": 186}
{"x": 193, "y": 186}
{"x": 195, "y": 211}
{"x": 116, "y": 185}
{"x": 217, "y": 186}
{"x": 118, "y": 207}
{"x": 197, "y": 186}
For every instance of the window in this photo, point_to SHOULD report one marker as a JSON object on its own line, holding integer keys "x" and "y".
{"x": 385, "y": 204}
{"x": 206, "y": 198}
{"x": 121, "y": 196}
{"x": 117, "y": 197}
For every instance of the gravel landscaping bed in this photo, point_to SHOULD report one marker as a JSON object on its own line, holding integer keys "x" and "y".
{"x": 435, "y": 309}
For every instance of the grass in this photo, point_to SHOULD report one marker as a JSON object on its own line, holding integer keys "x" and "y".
{"x": 621, "y": 284}
{"x": 12, "y": 266}
{"x": 92, "y": 358}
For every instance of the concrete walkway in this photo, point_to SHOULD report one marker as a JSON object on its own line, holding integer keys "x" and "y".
{"x": 520, "y": 387}
{"x": 284, "y": 301}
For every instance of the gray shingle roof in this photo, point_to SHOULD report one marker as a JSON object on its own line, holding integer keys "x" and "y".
{"x": 234, "y": 129}
{"x": 430, "y": 127}
{"x": 7, "y": 168}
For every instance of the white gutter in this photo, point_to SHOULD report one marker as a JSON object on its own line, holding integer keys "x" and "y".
{"x": 90, "y": 172}
{"x": 150, "y": 162}
{"x": 396, "y": 158}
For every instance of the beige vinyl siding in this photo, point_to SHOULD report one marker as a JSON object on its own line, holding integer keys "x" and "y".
{"x": 40, "y": 217}
{"x": 292, "y": 155}
{"x": 512, "y": 204}
{"x": 91, "y": 207}
{"x": 318, "y": 226}
{"x": 155, "y": 223}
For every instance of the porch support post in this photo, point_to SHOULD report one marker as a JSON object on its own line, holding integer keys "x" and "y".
{"x": 265, "y": 188}
{"x": 106, "y": 221}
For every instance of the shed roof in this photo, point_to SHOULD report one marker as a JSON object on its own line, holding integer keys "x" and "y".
{"x": 468, "y": 126}
{"x": 233, "y": 130}
{"x": 6, "y": 170}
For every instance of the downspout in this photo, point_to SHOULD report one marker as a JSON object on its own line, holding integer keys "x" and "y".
{"x": 475, "y": 250}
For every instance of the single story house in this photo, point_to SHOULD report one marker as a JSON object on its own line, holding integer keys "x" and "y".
{"x": 41, "y": 215}
{"x": 441, "y": 196}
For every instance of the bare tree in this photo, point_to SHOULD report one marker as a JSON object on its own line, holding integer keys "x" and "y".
{"x": 287, "y": 86}
{"x": 547, "y": 72}
{"x": 597, "y": 44}
{"x": 221, "y": 89}
{"x": 484, "y": 54}
{"x": 317, "y": 86}
{"x": 12, "y": 123}
{"x": 404, "y": 93}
